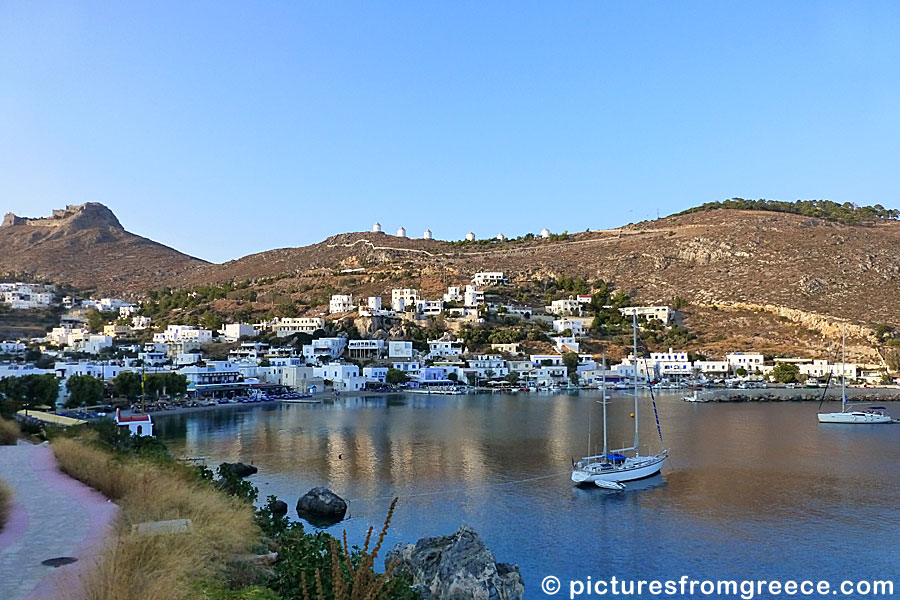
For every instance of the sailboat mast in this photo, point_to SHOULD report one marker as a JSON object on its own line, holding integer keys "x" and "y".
{"x": 603, "y": 365}
{"x": 843, "y": 368}
{"x": 634, "y": 331}
{"x": 590, "y": 410}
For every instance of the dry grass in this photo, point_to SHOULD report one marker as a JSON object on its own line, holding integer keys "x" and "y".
{"x": 9, "y": 432}
{"x": 165, "y": 566}
{"x": 5, "y": 501}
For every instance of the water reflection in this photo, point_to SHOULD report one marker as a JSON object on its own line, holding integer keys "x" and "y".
{"x": 763, "y": 482}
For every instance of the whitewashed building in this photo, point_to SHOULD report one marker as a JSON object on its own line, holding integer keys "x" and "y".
{"x": 575, "y": 326}
{"x": 64, "y": 370}
{"x": 286, "y": 327}
{"x": 12, "y": 348}
{"x": 409, "y": 367}
{"x": 437, "y": 348}
{"x": 95, "y": 343}
{"x": 302, "y": 379}
{"x": 749, "y": 362}
{"x": 401, "y": 298}
{"x": 660, "y": 313}
{"x": 232, "y": 332}
{"x": 485, "y": 278}
{"x": 215, "y": 372}
{"x": 453, "y": 294}
{"x": 485, "y": 363}
{"x": 429, "y": 307}
{"x": 671, "y": 363}
{"x": 473, "y": 296}
{"x": 566, "y": 343}
{"x": 711, "y": 367}
{"x": 400, "y": 349}
{"x": 325, "y": 349}
{"x": 365, "y": 349}
{"x": 140, "y": 322}
{"x": 341, "y": 303}
{"x": 183, "y": 333}
{"x": 822, "y": 368}
{"x": 566, "y": 306}
{"x": 378, "y": 374}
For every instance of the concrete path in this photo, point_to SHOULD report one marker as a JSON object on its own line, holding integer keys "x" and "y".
{"x": 53, "y": 516}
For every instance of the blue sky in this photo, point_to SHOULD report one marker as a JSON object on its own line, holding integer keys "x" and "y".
{"x": 224, "y": 129}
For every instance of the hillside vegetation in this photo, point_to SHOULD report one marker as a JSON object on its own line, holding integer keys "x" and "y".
{"x": 847, "y": 212}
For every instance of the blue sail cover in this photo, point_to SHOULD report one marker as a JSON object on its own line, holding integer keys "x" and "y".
{"x": 616, "y": 456}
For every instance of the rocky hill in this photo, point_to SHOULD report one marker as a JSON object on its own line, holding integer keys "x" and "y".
{"x": 86, "y": 246}
{"x": 748, "y": 259}
{"x": 748, "y": 279}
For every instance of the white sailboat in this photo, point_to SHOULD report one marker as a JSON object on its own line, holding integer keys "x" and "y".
{"x": 853, "y": 416}
{"x": 612, "y": 467}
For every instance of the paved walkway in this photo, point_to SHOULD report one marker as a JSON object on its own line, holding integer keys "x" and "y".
{"x": 52, "y": 516}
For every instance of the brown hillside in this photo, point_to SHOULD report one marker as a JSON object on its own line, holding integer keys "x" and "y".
{"x": 756, "y": 260}
{"x": 86, "y": 246}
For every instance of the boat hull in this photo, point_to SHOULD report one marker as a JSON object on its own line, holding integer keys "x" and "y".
{"x": 634, "y": 468}
{"x": 854, "y": 418}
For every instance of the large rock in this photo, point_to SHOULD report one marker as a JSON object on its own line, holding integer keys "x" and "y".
{"x": 456, "y": 567}
{"x": 279, "y": 508}
{"x": 321, "y": 505}
{"x": 241, "y": 470}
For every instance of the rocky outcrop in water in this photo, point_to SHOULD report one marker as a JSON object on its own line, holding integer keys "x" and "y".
{"x": 280, "y": 508}
{"x": 320, "y": 504}
{"x": 455, "y": 567}
{"x": 240, "y": 469}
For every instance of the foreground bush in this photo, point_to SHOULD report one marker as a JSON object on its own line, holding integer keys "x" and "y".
{"x": 164, "y": 566}
{"x": 9, "y": 432}
{"x": 5, "y": 501}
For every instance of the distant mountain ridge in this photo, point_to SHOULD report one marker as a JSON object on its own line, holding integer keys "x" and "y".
{"x": 86, "y": 246}
{"x": 766, "y": 258}
{"x": 726, "y": 257}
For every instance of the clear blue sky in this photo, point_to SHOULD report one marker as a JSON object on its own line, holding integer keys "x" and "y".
{"x": 228, "y": 128}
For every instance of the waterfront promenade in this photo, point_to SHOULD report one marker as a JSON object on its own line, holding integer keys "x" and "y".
{"x": 52, "y": 516}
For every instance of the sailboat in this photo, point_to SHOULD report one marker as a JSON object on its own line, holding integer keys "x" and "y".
{"x": 611, "y": 468}
{"x": 869, "y": 415}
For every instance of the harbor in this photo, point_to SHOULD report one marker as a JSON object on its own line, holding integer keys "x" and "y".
{"x": 746, "y": 483}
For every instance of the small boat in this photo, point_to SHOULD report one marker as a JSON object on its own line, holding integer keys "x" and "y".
{"x": 695, "y": 398}
{"x": 609, "y": 485}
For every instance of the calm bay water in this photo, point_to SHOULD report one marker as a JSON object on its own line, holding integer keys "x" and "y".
{"x": 751, "y": 490}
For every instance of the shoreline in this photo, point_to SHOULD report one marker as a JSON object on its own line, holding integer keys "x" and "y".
{"x": 714, "y": 395}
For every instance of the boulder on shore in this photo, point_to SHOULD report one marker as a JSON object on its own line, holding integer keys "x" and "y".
{"x": 279, "y": 508}
{"x": 320, "y": 504}
{"x": 240, "y": 469}
{"x": 455, "y": 567}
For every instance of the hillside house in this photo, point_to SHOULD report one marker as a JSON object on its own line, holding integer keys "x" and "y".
{"x": 488, "y": 278}
{"x": 565, "y": 307}
{"x": 660, "y": 313}
{"x": 400, "y": 349}
{"x": 402, "y": 298}
{"x": 286, "y": 327}
{"x": 341, "y": 303}
{"x": 325, "y": 349}
{"x": 365, "y": 349}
